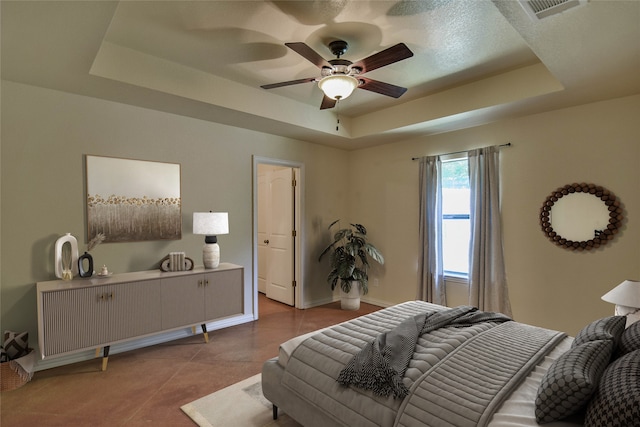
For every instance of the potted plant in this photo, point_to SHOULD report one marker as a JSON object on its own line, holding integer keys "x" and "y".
{"x": 349, "y": 260}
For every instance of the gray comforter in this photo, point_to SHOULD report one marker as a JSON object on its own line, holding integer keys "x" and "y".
{"x": 456, "y": 376}
{"x": 381, "y": 365}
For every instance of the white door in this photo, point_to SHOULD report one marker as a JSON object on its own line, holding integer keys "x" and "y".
{"x": 280, "y": 269}
{"x": 263, "y": 229}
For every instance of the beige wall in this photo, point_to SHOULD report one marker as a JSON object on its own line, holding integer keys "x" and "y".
{"x": 46, "y": 133}
{"x": 549, "y": 286}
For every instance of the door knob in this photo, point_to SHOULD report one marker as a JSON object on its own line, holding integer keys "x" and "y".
{"x": 266, "y": 241}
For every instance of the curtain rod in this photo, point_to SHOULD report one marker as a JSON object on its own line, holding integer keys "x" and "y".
{"x": 508, "y": 144}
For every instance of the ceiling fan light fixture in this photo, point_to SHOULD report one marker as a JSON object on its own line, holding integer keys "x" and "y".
{"x": 338, "y": 86}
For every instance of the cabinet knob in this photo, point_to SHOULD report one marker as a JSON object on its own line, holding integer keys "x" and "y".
{"x": 266, "y": 241}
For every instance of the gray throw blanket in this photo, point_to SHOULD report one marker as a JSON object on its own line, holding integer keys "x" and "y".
{"x": 380, "y": 366}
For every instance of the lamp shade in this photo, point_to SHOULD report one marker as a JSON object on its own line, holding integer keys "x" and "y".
{"x": 626, "y": 294}
{"x": 210, "y": 223}
{"x": 338, "y": 86}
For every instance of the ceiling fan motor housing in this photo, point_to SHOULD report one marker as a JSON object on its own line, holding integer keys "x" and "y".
{"x": 338, "y": 47}
{"x": 340, "y": 66}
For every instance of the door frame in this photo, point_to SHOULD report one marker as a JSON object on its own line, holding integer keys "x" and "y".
{"x": 299, "y": 222}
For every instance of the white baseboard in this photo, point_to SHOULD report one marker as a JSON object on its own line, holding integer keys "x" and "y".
{"x": 379, "y": 303}
{"x": 320, "y": 302}
{"x": 54, "y": 362}
{"x": 335, "y": 298}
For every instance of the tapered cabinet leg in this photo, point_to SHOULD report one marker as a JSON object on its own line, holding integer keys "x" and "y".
{"x": 206, "y": 334}
{"x": 105, "y": 358}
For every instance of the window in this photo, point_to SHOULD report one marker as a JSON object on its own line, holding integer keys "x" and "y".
{"x": 456, "y": 230}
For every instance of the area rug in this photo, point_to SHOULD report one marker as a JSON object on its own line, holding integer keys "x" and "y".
{"x": 239, "y": 405}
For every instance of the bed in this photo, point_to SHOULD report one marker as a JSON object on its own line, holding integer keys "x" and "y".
{"x": 465, "y": 371}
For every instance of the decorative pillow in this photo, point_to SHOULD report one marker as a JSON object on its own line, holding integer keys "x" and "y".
{"x": 3, "y": 355}
{"x": 571, "y": 380}
{"x": 16, "y": 345}
{"x": 616, "y": 402}
{"x": 630, "y": 339}
{"x": 607, "y": 328}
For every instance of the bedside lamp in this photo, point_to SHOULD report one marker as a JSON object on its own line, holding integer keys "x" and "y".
{"x": 626, "y": 297}
{"x": 211, "y": 224}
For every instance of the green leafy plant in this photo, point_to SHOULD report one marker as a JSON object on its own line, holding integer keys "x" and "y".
{"x": 349, "y": 257}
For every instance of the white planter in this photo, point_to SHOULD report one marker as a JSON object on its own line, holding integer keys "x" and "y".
{"x": 350, "y": 300}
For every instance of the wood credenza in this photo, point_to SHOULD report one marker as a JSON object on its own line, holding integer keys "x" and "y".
{"x": 97, "y": 312}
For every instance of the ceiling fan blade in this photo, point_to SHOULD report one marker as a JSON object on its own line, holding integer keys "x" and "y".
{"x": 388, "y": 56}
{"x": 327, "y": 103}
{"x": 381, "y": 87}
{"x": 309, "y": 54}
{"x": 289, "y": 83}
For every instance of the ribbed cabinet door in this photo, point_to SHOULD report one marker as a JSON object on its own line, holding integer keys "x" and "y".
{"x": 182, "y": 301}
{"x": 134, "y": 309}
{"x": 224, "y": 293}
{"x": 74, "y": 319}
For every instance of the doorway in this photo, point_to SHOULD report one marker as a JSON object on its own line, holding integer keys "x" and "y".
{"x": 277, "y": 213}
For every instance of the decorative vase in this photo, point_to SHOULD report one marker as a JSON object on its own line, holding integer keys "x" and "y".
{"x": 66, "y": 257}
{"x": 351, "y": 300}
{"x": 85, "y": 272}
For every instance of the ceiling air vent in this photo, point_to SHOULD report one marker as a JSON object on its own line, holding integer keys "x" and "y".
{"x": 538, "y": 9}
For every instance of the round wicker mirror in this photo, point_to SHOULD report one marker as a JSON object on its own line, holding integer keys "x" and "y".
{"x": 600, "y": 229}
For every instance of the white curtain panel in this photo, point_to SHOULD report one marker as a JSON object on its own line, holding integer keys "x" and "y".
{"x": 430, "y": 270}
{"x": 487, "y": 279}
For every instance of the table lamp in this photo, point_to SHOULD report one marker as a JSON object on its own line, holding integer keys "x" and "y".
{"x": 211, "y": 224}
{"x": 626, "y": 297}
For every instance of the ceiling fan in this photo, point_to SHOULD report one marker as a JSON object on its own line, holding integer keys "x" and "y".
{"x": 339, "y": 77}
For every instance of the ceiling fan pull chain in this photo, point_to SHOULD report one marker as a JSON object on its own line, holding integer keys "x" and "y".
{"x": 337, "y": 115}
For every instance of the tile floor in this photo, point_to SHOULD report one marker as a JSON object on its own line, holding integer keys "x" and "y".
{"x": 148, "y": 386}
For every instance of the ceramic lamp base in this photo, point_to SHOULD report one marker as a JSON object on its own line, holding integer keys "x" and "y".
{"x": 632, "y": 313}
{"x": 211, "y": 255}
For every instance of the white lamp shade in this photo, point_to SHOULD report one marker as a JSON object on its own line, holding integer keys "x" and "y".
{"x": 210, "y": 223}
{"x": 626, "y": 294}
{"x": 338, "y": 86}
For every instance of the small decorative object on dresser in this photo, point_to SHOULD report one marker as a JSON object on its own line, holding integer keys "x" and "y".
{"x": 85, "y": 271}
{"x": 176, "y": 261}
{"x": 66, "y": 257}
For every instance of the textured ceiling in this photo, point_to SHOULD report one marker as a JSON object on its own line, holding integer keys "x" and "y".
{"x": 474, "y": 60}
